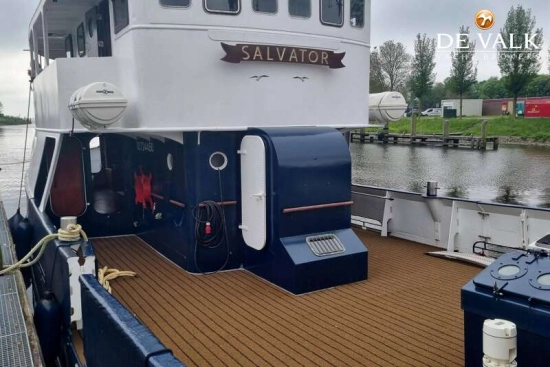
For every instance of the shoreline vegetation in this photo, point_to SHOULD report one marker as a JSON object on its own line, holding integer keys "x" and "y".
{"x": 521, "y": 131}
{"x": 11, "y": 121}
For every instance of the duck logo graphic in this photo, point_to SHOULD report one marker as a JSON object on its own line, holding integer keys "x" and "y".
{"x": 485, "y": 19}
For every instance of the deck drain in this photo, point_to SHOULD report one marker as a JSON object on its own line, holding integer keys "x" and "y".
{"x": 326, "y": 244}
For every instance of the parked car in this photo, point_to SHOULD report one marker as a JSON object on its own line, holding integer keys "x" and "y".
{"x": 431, "y": 112}
{"x": 409, "y": 111}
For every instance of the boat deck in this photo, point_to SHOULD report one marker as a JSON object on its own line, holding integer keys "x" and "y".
{"x": 406, "y": 314}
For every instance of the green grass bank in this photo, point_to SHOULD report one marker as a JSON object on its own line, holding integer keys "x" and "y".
{"x": 10, "y": 120}
{"x": 536, "y": 129}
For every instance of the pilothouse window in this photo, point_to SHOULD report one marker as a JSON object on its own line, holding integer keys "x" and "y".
{"x": 299, "y": 8}
{"x": 357, "y": 13}
{"x": 264, "y": 6}
{"x": 120, "y": 13}
{"x": 332, "y": 12}
{"x": 180, "y": 3}
{"x": 69, "y": 51}
{"x": 81, "y": 40}
{"x": 223, "y": 6}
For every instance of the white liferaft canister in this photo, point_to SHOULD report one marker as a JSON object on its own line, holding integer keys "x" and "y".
{"x": 499, "y": 343}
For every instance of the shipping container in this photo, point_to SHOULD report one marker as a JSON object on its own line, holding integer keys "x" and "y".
{"x": 537, "y": 108}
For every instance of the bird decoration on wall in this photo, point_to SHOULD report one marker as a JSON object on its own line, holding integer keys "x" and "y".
{"x": 258, "y": 77}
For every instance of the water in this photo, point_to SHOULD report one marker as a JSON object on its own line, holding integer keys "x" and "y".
{"x": 12, "y": 142}
{"x": 513, "y": 174}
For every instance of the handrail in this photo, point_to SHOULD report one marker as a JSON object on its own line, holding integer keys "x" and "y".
{"x": 453, "y": 198}
{"x": 316, "y": 207}
{"x": 371, "y": 195}
{"x": 173, "y": 202}
{"x": 222, "y": 203}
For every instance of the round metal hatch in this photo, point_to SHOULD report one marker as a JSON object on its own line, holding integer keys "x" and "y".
{"x": 542, "y": 282}
{"x": 508, "y": 272}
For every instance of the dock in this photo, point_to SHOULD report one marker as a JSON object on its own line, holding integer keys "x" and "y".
{"x": 437, "y": 140}
{"x": 19, "y": 346}
{"x": 446, "y": 139}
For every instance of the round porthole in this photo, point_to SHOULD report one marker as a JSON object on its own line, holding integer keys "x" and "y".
{"x": 218, "y": 161}
{"x": 508, "y": 270}
{"x": 544, "y": 279}
{"x": 170, "y": 161}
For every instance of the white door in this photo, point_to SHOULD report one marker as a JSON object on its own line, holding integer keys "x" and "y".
{"x": 253, "y": 191}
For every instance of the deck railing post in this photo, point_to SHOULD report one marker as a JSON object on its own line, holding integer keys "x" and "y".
{"x": 483, "y": 140}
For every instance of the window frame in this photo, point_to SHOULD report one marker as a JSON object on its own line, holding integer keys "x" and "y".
{"x": 69, "y": 38}
{"x": 299, "y": 16}
{"x": 222, "y": 12}
{"x": 120, "y": 26}
{"x": 328, "y": 23}
{"x": 266, "y": 12}
{"x": 175, "y": 6}
{"x": 81, "y": 53}
{"x": 364, "y": 12}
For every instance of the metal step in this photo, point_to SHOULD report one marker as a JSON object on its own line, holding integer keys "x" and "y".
{"x": 469, "y": 258}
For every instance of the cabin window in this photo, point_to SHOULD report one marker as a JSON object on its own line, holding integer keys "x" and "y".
{"x": 81, "y": 40}
{"x": 120, "y": 13}
{"x": 265, "y": 6}
{"x": 180, "y": 3}
{"x": 332, "y": 12}
{"x": 44, "y": 169}
{"x": 67, "y": 194}
{"x": 31, "y": 52}
{"x": 357, "y": 13}
{"x": 223, "y": 6}
{"x": 299, "y": 8}
{"x": 69, "y": 51}
{"x": 95, "y": 154}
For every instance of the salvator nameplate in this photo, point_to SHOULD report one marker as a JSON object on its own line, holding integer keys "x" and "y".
{"x": 297, "y": 55}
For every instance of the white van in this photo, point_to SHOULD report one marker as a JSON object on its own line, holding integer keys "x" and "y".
{"x": 431, "y": 112}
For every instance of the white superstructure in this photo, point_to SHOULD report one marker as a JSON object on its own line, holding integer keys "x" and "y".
{"x": 311, "y": 68}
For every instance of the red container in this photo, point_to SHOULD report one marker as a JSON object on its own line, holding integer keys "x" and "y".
{"x": 537, "y": 108}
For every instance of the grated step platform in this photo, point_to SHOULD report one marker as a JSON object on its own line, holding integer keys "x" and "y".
{"x": 15, "y": 350}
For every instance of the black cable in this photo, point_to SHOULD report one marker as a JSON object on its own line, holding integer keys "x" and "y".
{"x": 25, "y": 149}
{"x": 212, "y": 212}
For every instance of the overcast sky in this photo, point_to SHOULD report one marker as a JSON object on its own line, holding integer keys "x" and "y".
{"x": 399, "y": 20}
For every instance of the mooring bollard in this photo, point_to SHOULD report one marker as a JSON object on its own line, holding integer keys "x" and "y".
{"x": 431, "y": 188}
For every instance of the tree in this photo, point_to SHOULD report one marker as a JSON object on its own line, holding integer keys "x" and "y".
{"x": 436, "y": 95}
{"x": 394, "y": 62}
{"x": 422, "y": 75}
{"x": 493, "y": 88}
{"x": 538, "y": 86}
{"x": 519, "y": 62}
{"x": 463, "y": 71}
{"x": 376, "y": 83}
{"x": 1, "y": 109}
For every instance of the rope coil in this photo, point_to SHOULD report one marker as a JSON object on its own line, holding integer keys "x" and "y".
{"x": 105, "y": 275}
{"x": 72, "y": 233}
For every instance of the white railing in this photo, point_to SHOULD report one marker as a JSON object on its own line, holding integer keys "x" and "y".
{"x": 449, "y": 223}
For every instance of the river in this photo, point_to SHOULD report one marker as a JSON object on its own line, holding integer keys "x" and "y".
{"x": 513, "y": 174}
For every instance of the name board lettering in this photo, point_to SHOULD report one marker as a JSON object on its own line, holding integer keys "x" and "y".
{"x": 296, "y": 55}
{"x": 144, "y": 146}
